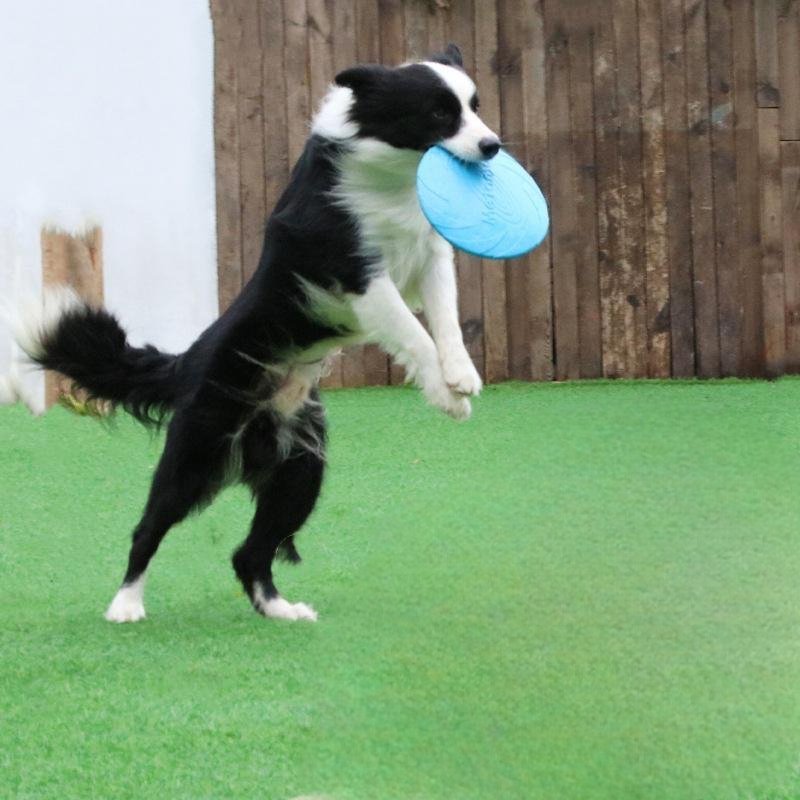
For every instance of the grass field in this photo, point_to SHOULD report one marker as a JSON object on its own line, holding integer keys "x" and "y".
{"x": 588, "y": 591}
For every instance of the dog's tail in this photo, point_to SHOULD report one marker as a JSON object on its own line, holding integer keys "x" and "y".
{"x": 64, "y": 333}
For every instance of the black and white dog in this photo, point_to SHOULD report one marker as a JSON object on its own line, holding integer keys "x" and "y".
{"x": 347, "y": 256}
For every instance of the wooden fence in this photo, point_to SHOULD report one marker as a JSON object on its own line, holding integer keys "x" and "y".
{"x": 665, "y": 134}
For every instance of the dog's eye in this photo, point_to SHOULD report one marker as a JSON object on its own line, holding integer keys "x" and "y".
{"x": 474, "y": 103}
{"x": 440, "y": 114}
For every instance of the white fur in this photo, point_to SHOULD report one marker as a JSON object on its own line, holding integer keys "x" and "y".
{"x": 388, "y": 320}
{"x": 13, "y": 390}
{"x": 332, "y": 120}
{"x": 465, "y": 143}
{"x": 280, "y": 608}
{"x": 35, "y": 320}
{"x": 128, "y": 603}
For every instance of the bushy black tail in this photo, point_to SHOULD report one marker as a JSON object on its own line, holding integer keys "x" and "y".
{"x": 89, "y": 346}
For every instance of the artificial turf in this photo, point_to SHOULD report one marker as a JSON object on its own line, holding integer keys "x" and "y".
{"x": 588, "y": 591}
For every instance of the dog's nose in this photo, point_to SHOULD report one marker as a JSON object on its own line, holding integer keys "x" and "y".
{"x": 489, "y": 147}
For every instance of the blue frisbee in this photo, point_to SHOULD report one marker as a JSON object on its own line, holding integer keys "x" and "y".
{"x": 491, "y": 209}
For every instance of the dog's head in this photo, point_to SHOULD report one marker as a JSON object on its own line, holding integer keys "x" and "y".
{"x": 413, "y": 107}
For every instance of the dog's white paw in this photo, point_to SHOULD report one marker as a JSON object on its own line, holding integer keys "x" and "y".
{"x": 279, "y": 608}
{"x": 460, "y": 373}
{"x": 127, "y": 606}
{"x": 439, "y": 394}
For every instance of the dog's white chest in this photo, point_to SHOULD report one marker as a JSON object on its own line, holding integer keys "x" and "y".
{"x": 380, "y": 192}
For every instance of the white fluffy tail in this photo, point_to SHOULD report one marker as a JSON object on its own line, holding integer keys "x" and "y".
{"x": 36, "y": 319}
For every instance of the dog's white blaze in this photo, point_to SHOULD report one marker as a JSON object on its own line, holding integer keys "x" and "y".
{"x": 465, "y": 143}
{"x": 279, "y": 608}
{"x": 128, "y": 603}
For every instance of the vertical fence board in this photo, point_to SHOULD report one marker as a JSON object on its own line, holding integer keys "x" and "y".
{"x": 747, "y": 189}
{"x": 461, "y": 30}
{"x": 679, "y": 244}
{"x": 273, "y": 82}
{"x": 494, "y": 284}
{"x": 723, "y": 166}
{"x": 295, "y": 61}
{"x": 582, "y": 125}
{"x": 654, "y": 192}
{"x": 609, "y": 217}
{"x": 631, "y": 287}
{"x": 509, "y": 67}
{"x": 562, "y": 198}
{"x": 540, "y": 288}
{"x": 706, "y": 319}
{"x": 250, "y": 120}
{"x": 771, "y": 240}
{"x": 789, "y": 68}
{"x": 790, "y": 202}
{"x": 226, "y": 153}
{"x": 767, "y": 79}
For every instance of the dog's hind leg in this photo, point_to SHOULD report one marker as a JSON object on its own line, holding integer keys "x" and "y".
{"x": 283, "y": 503}
{"x": 188, "y": 474}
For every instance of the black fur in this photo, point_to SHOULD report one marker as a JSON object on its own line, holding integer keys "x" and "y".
{"x": 409, "y": 108}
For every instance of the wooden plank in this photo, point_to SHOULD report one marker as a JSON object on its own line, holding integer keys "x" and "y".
{"x": 679, "y": 246}
{"x": 609, "y": 193}
{"x": 250, "y": 120}
{"x": 581, "y": 99}
{"x": 772, "y": 240}
{"x": 562, "y": 198}
{"x": 391, "y": 32}
{"x": 630, "y": 268}
{"x": 494, "y": 283}
{"x": 789, "y": 68}
{"x": 416, "y": 29}
{"x": 706, "y": 318}
{"x": 320, "y": 50}
{"x": 508, "y": 60}
{"x": 437, "y": 27}
{"x": 790, "y": 201}
{"x": 767, "y": 76}
{"x": 363, "y": 365}
{"x": 273, "y": 83}
{"x": 343, "y": 46}
{"x": 654, "y": 191}
{"x": 295, "y": 60}
{"x": 226, "y": 153}
{"x": 747, "y": 189}
{"x": 367, "y": 31}
{"x": 320, "y": 31}
{"x": 534, "y": 104}
{"x": 723, "y": 166}
{"x": 74, "y": 260}
{"x": 461, "y": 30}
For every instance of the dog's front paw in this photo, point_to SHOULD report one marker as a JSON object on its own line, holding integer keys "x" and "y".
{"x": 460, "y": 374}
{"x": 439, "y": 394}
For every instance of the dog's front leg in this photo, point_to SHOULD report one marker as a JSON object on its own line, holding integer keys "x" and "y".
{"x": 385, "y": 319}
{"x": 439, "y": 300}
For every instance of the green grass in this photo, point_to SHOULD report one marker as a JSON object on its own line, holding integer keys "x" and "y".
{"x": 588, "y": 591}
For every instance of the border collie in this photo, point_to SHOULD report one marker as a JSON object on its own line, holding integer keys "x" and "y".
{"x": 348, "y": 257}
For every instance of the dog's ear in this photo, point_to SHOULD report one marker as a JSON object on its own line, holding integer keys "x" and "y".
{"x": 360, "y": 77}
{"x": 451, "y": 57}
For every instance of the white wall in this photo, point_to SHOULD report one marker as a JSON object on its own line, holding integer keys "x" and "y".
{"x": 106, "y": 115}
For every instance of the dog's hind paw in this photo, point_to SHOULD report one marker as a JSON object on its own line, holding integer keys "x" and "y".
{"x": 126, "y": 606}
{"x": 278, "y": 607}
{"x": 128, "y": 602}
